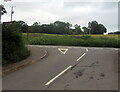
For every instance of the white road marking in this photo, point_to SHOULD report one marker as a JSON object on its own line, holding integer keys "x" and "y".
{"x": 86, "y": 49}
{"x": 49, "y": 82}
{"x": 81, "y": 57}
{"x": 62, "y": 50}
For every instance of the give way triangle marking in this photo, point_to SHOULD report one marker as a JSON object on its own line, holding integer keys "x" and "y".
{"x": 62, "y": 50}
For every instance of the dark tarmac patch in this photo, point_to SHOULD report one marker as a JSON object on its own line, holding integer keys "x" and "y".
{"x": 79, "y": 73}
{"x": 102, "y": 75}
{"x": 91, "y": 77}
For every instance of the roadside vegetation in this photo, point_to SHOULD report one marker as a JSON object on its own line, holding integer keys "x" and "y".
{"x": 64, "y": 28}
{"x": 13, "y": 49}
{"x": 18, "y": 33}
{"x": 72, "y": 40}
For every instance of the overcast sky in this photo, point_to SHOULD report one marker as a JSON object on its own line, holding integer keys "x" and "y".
{"x": 72, "y": 11}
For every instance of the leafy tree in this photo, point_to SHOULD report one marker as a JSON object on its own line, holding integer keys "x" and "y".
{"x": 23, "y": 27}
{"x": 31, "y": 30}
{"x": 36, "y": 24}
{"x": 102, "y": 29}
{"x": 48, "y": 29}
{"x": 36, "y": 27}
{"x": 86, "y": 30}
{"x": 68, "y": 25}
{"x": 96, "y": 28}
{"x": 77, "y": 29}
{"x": 93, "y": 27}
{"x": 2, "y": 10}
{"x": 60, "y": 27}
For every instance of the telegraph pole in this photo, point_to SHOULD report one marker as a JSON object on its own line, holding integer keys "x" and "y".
{"x": 12, "y": 12}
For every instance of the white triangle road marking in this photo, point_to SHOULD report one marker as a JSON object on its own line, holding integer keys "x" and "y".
{"x": 62, "y": 50}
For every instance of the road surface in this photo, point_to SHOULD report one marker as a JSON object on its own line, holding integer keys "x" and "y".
{"x": 68, "y": 68}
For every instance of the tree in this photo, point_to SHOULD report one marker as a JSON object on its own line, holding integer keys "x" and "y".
{"x": 68, "y": 25}
{"x": 61, "y": 27}
{"x": 21, "y": 23}
{"x": 23, "y": 27}
{"x": 102, "y": 29}
{"x": 86, "y": 30}
{"x": 2, "y": 11}
{"x": 96, "y": 28}
{"x": 77, "y": 29}
{"x": 93, "y": 27}
{"x": 36, "y": 28}
{"x": 36, "y": 24}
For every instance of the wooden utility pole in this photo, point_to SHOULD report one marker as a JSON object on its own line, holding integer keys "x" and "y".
{"x": 12, "y": 12}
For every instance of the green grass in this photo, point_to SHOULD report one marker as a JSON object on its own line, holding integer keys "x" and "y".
{"x": 106, "y": 36}
{"x": 72, "y": 40}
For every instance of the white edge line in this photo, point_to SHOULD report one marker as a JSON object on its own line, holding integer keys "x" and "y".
{"x": 81, "y": 57}
{"x": 58, "y": 75}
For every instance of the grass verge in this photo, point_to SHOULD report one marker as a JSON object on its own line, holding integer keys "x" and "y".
{"x": 72, "y": 40}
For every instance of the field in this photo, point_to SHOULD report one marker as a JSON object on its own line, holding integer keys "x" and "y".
{"x": 72, "y": 40}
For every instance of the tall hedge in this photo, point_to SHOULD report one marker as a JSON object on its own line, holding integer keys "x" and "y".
{"x": 13, "y": 49}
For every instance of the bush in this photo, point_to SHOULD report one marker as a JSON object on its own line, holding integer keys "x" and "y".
{"x": 13, "y": 49}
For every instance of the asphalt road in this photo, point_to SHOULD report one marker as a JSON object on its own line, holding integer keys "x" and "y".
{"x": 80, "y": 68}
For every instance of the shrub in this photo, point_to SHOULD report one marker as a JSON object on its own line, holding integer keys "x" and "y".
{"x": 13, "y": 49}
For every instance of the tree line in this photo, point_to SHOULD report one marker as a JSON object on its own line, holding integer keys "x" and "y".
{"x": 117, "y": 32}
{"x": 59, "y": 27}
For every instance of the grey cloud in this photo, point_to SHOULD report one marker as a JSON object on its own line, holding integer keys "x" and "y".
{"x": 73, "y": 12}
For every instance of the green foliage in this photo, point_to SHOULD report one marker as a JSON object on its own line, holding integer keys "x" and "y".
{"x": 13, "y": 49}
{"x": 96, "y": 28}
{"x": 2, "y": 10}
{"x": 59, "y": 27}
{"x": 77, "y": 29}
{"x": 85, "y": 37}
{"x": 67, "y": 40}
{"x": 86, "y": 30}
{"x": 101, "y": 29}
{"x": 23, "y": 27}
